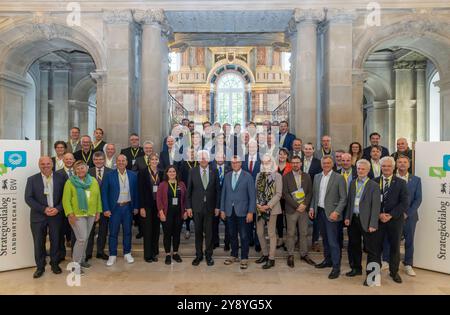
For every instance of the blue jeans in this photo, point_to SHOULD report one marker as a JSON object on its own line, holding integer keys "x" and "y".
{"x": 120, "y": 216}
{"x": 238, "y": 225}
{"x": 409, "y": 229}
{"x": 330, "y": 236}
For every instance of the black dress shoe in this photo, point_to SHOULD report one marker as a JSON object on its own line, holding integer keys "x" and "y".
{"x": 258, "y": 248}
{"x": 354, "y": 272}
{"x": 365, "y": 283}
{"x": 290, "y": 261}
{"x": 226, "y": 247}
{"x": 177, "y": 258}
{"x": 251, "y": 244}
{"x": 61, "y": 259}
{"x": 262, "y": 259}
{"x": 149, "y": 260}
{"x": 308, "y": 260}
{"x": 209, "y": 261}
{"x": 269, "y": 264}
{"x": 139, "y": 235}
{"x": 155, "y": 259}
{"x": 168, "y": 260}
{"x": 216, "y": 245}
{"x": 56, "y": 269}
{"x": 324, "y": 264}
{"x": 197, "y": 261}
{"x": 334, "y": 274}
{"x": 88, "y": 257}
{"x": 102, "y": 256}
{"x": 38, "y": 273}
{"x": 396, "y": 277}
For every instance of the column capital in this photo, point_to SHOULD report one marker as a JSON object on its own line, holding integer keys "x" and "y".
{"x": 99, "y": 76}
{"x": 154, "y": 17}
{"x": 117, "y": 16}
{"x": 308, "y": 15}
{"x": 45, "y": 66}
{"x": 420, "y": 65}
{"x": 61, "y": 66}
{"x": 336, "y": 15}
{"x": 404, "y": 65}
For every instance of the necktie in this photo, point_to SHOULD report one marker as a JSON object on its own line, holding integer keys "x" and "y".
{"x": 220, "y": 175}
{"x": 385, "y": 189}
{"x": 204, "y": 179}
{"x": 234, "y": 181}
{"x": 251, "y": 166}
{"x": 99, "y": 174}
{"x": 70, "y": 172}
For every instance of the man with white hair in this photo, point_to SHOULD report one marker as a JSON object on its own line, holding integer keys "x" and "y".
{"x": 110, "y": 156}
{"x": 394, "y": 205}
{"x": 143, "y": 161}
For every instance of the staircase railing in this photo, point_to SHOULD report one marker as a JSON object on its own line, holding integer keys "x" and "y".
{"x": 282, "y": 111}
{"x": 176, "y": 110}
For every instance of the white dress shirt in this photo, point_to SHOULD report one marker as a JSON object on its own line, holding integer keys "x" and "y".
{"x": 124, "y": 184}
{"x": 376, "y": 167}
{"x": 307, "y": 164}
{"x": 48, "y": 189}
{"x": 323, "y": 189}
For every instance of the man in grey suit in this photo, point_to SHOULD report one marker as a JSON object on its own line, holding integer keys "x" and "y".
{"x": 238, "y": 204}
{"x": 328, "y": 203}
{"x": 363, "y": 210}
{"x": 74, "y": 144}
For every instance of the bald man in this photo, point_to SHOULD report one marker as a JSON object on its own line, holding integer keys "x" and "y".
{"x": 403, "y": 150}
{"x": 43, "y": 194}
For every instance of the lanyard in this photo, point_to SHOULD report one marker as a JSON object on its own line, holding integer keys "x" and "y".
{"x": 346, "y": 175}
{"x": 134, "y": 152}
{"x": 190, "y": 166}
{"x": 84, "y": 157}
{"x": 323, "y": 152}
{"x": 360, "y": 188}
{"x": 96, "y": 145}
{"x": 123, "y": 178}
{"x": 299, "y": 182}
{"x": 47, "y": 181}
{"x": 154, "y": 178}
{"x": 174, "y": 189}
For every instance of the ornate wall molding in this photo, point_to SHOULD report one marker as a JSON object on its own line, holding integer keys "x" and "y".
{"x": 117, "y": 16}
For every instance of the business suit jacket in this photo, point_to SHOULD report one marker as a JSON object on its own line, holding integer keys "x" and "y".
{"x": 274, "y": 203}
{"x": 335, "y": 197}
{"x": 227, "y": 168}
{"x": 319, "y": 155}
{"x": 289, "y": 186}
{"x": 369, "y": 205}
{"x": 70, "y": 149}
{"x": 397, "y": 198}
{"x": 37, "y": 201}
{"x": 111, "y": 190}
{"x": 129, "y": 155}
{"x": 288, "y": 140}
{"x": 354, "y": 174}
{"x": 292, "y": 154}
{"x": 140, "y": 164}
{"x": 243, "y": 196}
{"x": 99, "y": 147}
{"x": 314, "y": 169}
{"x": 164, "y": 159}
{"x": 145, "y": 187}
{"x": 415, "y": 197}
{"x": 93, "y": 173}
{"x": 366, "y": 152}
{"x": 256, "y": 166}
{"x": 371, "y": 172}
{"x": 79, "y": 157}
{"x": 196, "y": 192}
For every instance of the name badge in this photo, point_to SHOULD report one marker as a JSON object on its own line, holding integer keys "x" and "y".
{"x": 155, "y": 188}
{"x": 204, "y": 199}
{"x": 133, "y": 161}
{"x": 356, "y": 202}
{"x": 175, "y": 201}
{"x": 381, "y": 198}
{"x": 88, "y": 194}
{"x": 46, "y": 191}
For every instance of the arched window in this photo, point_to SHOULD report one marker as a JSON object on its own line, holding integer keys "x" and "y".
{"x": 434, "y": 122}
{"x": 230, "y": 99}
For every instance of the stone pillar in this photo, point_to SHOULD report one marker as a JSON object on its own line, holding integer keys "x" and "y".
{"x": 59, "y": 107}
{"x": 212, "y": 95}
{"x": 358, "y": 79}
{"x": 115, "y": 116}
{"x": 303, "y": 37}
{"x": 100, "y": 78}
{"x": 369, "y": 122}
{"x": 248, "y": 95}
{"x": 154, "y": 70}
{"x": 44, "y": 69}
{"x": 444, "y": 91}
{"x": 405, "y": 104}
{"x": 421, "y": 97}
{"x": 341, "y": 114}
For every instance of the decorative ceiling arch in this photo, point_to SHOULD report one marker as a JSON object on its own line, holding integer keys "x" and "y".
{"x": 236, "y": 66}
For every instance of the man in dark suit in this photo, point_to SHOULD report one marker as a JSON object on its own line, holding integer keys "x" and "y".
{"x": 98, "y": 144}
{"x": 142, "y": 161}
{"x": 285, "y": 138}
{"x": 74, "y": 145}
{"x": 171, "y": 156}
{"x": 363, "y": 210}
{"x": 375, "y": 138}
{"x": 403, "y": 150}
{"x": 43, "y": 194}
{"x": 86, "y": 152}
{"x": 133, "y": 151}
{"x": 203, "y": 203}
{"x": 222, "y": 167}
{"x": 296, "y": 149}
{"x": 375, "y": 166}
{"x": 98, "y": 172}
{"x": 328, "y": 203}
{"x": 414, "y": 185}
{"x": 394, "y": 205}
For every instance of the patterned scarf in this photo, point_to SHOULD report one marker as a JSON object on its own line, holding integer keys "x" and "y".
{"x": 265, "y": 190}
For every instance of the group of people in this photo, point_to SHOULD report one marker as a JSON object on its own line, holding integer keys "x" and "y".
{"x": 249, "y": 180}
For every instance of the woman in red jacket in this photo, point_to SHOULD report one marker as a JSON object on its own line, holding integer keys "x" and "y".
{"x": 171, "y": 200}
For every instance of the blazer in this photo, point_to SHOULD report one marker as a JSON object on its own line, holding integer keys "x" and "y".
{"x": 354, "y": 175}
{"x": 227, "y": 168}
{"x": 93, "y": 173}
{"x": 371, "y": 172}
{"x": 140, "y": 164}
{"x": 70, "y": 149}
{"x": 110, "y": 189}
{"x": 70, "y": 200}
{"x": 145, "y": 184}
{"x": 164, "y": 159}
{"x": 366, "y": 152}
{"x": 196, "y": 193}
{"x": 415, "y": 196}
{"x": 319, "y": 155}
{"x": 184, "y": 168}
{"x": 369, "y": 204}
{"x": 397, "y": 197}
{"x": 162, "y": 200}
{"x": 37, "y": 201}
{"x": 79, "y": 157}
{"x": 289, "y": 186}
{"x": 130, "y": 157}
{"x": 274, "y": 203}
{"x": 288, "y": 140}
{"x": 54, "y": 163}
{"x": 64, "y": 174}
{"x": 256, "y": 166}
{"x": 242, "y": 198}
{"x": 314, "y": 168}
{"x": 99, "y": 147}
{"x": 335, "y": 197}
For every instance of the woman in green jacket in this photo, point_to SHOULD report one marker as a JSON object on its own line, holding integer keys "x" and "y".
{"x": 82, "y": 205}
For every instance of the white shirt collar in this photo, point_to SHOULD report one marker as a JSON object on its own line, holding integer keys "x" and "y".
{"x": 329, "y": 174}
{"x": 238, "y": 172}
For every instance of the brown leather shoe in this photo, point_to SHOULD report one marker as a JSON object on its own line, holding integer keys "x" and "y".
{"x": 308, "y": 260}
{"x": 290, "y": 261}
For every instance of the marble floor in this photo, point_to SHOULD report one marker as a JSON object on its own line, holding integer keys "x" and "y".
{"x": 183, "y": 278}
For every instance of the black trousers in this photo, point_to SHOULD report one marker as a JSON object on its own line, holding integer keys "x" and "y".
{"x": 172, "y": 229}
{"x": 151, "y": 230}
{"x": 138, "y": 222}
{"x": 101, "y": 238}
{"x": 356, "y": 235}
{"x": 65, "y": 235}
{"x": 203, "y": 223}
{"x": 51, "y": 226}
{"x": 216, "y": 238}
{"x": 392, "y": 231}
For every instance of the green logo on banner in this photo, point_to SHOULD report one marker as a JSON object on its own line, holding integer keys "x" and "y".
{"x": 3, "y": 169}
{"x": 436, "y": 171}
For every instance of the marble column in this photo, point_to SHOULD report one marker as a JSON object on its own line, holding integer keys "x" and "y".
{"x": 248, "y": 95}
{"x": 100, "y": 78}
{"x": 212, "y": 104}
{"x": 59, "y": 107}
{"x": 444, "y": 91}
{"x": 405, "y": 104}
{"x": 341, "y": 114}
{"x": 303, "y": 37}
{"x": 154, "y": 79}
{"x": 44, "y": 69}
{"x": 358, "y": 79}
{"x": 116, "y": 119}
{"x": 421, "y": 97}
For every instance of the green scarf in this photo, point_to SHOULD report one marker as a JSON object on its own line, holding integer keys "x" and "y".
{"x": 81, "y": 187}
